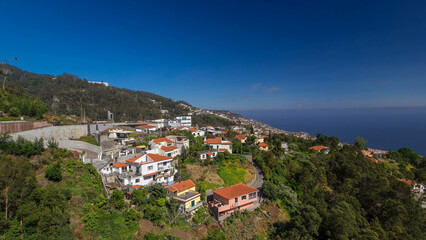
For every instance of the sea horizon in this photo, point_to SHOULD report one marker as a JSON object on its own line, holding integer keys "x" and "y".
{"x": 385, "y": 128}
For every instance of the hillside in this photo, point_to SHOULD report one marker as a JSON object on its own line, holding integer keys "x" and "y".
{"x": 67, "y": 94}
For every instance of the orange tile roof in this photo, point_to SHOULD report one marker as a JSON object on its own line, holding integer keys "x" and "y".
{"x": 182, "y": 186}
{"x": 136, "y": 186}
{"x": 168, "y": 149}
{"x": 241, "y": 137}
{"x": 409, "y": 182}
{"x": 160, "y": 140}
{"x": 151, "y": 174}
{"x": 217, "y": 140}
{"x": 318, "y": 148}
{"x": 234, "y": 191}
{"x": 238, "y": 131}
{"x": 120, "y": 165}
{"x": 145, "y": 126}
{"x": 156, "y": 157}
{"x": 223, "y": 149}
{"x": 179, "y": 128}
{"x": 132, "y": 160}
{"x": 210, "y": 154}
{"x": 262, "y": 144}
{"x": 192, "y": 130}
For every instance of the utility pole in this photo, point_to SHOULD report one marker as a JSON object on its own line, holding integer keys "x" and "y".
{"x": 7, "y": 70}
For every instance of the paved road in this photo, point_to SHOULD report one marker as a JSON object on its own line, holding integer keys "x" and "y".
{"x": 258, "y": 180}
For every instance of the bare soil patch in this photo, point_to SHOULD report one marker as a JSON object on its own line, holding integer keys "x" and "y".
{"x": 275, "y": 213}
{"x": 250, "y": 172}
{"x": 206, "y": 173}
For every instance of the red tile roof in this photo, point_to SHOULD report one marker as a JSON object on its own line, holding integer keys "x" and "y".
{"x": 222, "y": 149}
{"x": 151, "y": 174}
{"x": 238, "y": 131}
{"x": 210, "y": 154}
{"x": 160, "y": 140}
{"x": 156, "y": 157}
{"x": 168, "y": 149}
{"x": 262, "y": 144}
{"x": 182, "y": 186}
{"x": 120, "y": 165}
{"x": 318, "y": 148}
{"x": 145, "y": 126}
{"x": 234, "y": 191}
{"x": 179, "y": 128}
{"x": 217, "y": 140}
{"x": 192, "y": 130}
{"x": 136, "y": 186}
{"x": 132, "y": 160}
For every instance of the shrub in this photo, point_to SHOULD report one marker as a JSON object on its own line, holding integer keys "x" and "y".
{"x": 53, "y": 172}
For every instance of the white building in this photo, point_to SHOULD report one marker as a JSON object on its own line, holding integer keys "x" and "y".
{"x": 180, "y": 121}
{"x": 196, "y": 132}
{"x": 160, "y": 123}
{"x": 146, "y": 128}
{"x": 219, "y": 144}
{"x": 143, "y": 170}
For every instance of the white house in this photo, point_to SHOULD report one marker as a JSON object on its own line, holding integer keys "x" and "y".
{"x": 196, "y": 132}
{"x": 179, "y": 141}
{"x": 219, "y": 144}
{"x": 146, "y": 128}
{"x": 160, "y": 123}
{"x": 145, "y": 170}
{"x": 208, "y": 154}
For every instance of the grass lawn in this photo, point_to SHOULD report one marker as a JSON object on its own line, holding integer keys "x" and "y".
{"x": 232, "y": 173}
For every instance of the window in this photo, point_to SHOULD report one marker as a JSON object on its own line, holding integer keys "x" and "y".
{"x": 252, "y": 195}
{"x": 150, "y": 168}
{"x": 137, "y": 180}
{"x": 192, "y": 203}
{"x": 244, "y": 197}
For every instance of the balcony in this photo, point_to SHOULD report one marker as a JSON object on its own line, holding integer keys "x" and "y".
{"x": 194, "y": 207}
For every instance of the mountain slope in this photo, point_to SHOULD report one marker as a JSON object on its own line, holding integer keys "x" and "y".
{"x": 68, "y": 94}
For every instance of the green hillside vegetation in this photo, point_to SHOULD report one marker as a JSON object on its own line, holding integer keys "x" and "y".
{"x": 68, "y": 94}
{"x": 203, "y": 120}
{"x": 15, "y": 103}
{"x": 342, "y": 195}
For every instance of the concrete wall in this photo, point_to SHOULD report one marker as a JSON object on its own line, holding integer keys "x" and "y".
{"x": 19, "y": 126}
{"x": 56, "y": 132}
{"x": 99, "y": 127}
{"x": 79, "y": 146}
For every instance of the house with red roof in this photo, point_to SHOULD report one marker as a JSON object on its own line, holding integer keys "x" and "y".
{"x": 208, "y": 154}
{"x": 263, "y": 146}
{"x": 320, "y": 148}
{"x": 196, "y": 132}
{"x": 185, "y": 193}
{"x": 242, "y": 137}
{"x": 146, "y": 128}
{"x": 142, "y": 170}
{"x": 233, "y": 198}
{"x": 219, "y": 144}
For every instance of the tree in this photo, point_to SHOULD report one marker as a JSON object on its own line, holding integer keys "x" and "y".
{"x": 215, "y": 234}
{"x": 117, "y": 199}
{"x": 361, "y": 143}
{"x": 53, "y": 172}
{"x": 139, "y": 196}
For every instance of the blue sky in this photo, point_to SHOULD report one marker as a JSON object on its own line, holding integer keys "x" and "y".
{"x": 236, "y": 55}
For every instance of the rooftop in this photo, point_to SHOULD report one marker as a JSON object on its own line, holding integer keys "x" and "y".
{"x": 182, "y": 186}
{"x": 234, "y": 191}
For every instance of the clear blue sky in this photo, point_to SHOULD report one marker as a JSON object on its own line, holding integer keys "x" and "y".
{"x": 230, "y": 54}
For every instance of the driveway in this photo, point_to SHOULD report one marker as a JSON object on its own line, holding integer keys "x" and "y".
{"x": 258, "y": 180}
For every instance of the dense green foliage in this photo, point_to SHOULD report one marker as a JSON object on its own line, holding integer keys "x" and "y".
{"x": 209, "y": 119}
{"x": 68, "y": 94}
{"x": 89, "y": 139}
{"x": 342, "y": 195}
{"x": 17, "y": 103}
{"x": 20, "y": 146}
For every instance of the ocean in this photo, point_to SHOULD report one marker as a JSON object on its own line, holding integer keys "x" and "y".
{"x": 384, "y": 128}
